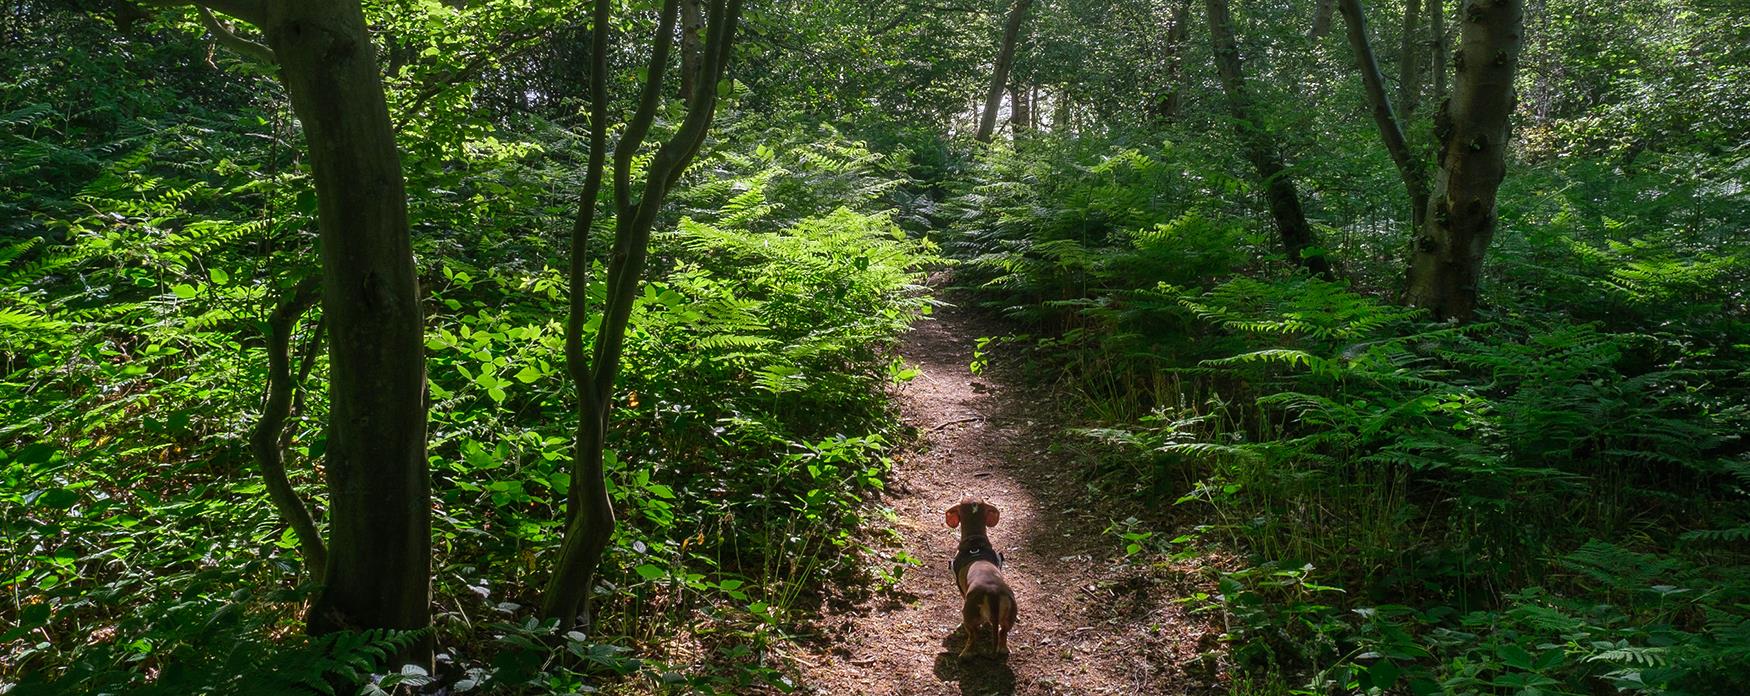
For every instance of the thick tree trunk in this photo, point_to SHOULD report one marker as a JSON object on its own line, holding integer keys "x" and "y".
{"x": 1021, "y": 114}
{"x": 1410, "y": 168}
{"x": 993, "y": 97}
{"x": 379, "y": 549}
{"x": 1474, "y": 125}
{"x": 1260, "y": 147}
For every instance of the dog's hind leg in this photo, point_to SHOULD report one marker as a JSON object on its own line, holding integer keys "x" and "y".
{"x": 971, "y": 617}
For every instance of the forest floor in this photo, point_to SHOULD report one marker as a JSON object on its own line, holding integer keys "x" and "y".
{"x": 1090, "y": 622}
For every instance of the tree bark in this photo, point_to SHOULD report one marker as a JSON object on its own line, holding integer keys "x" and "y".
{"x": 1473, "y": 126}
{"x": 1321, "y": 22}
{"x": 1410, "y": 168}
{"x": 379, "y": 550}
{"x": 1437, "y": 39}
{"x": 692, "y": 21}
{"x": 1409, "y": 62}
{"x": 993, "y": 97}
{"x": 1021, "y": 113}
{"x": 1177, "y": 34}
{"x": 1279, "y": 192}
{"x": 590, "y": 514}
{"x": 1063, "y": 112}
{"x": 277, "y": 405}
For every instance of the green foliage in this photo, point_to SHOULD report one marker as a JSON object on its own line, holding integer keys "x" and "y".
{"x": 1548, "y": 501}
{"x": 748, "y": 432}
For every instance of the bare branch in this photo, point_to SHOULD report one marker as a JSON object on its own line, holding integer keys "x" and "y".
{"x": 250, "y": 50}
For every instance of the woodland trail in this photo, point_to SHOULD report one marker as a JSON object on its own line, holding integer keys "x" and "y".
{"x": 1089, "y": 623}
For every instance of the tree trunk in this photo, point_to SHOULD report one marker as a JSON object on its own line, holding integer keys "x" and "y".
{"x": 379, "y": 549}
{"x": 1410, "y": 168}
{"x": 590, "y": 518}
{"x": 1437, "y": 37}
{"x": 1321, "y": 22}
{"x": 1063, "y": 113}
{"x": 1473, "y": 126}
{"x": 1409, "y": 62}
{"x": 993, "y": 97}
{"x": 692, "y": 21}
{"x": 1279, "y": 191}
{"x": 1021, "y": 111}
{"x": 1168, "y": 108}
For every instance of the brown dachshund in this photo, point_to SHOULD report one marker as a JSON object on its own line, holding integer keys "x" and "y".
{"x": 978, "y": 569}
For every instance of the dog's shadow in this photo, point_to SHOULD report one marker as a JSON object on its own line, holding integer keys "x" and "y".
{"x": 980, "y": 674}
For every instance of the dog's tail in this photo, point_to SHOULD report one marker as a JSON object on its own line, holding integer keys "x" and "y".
{"x": 996, "y": 604}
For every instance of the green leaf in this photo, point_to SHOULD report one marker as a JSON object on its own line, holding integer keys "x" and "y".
{"x": 218, "y": 277}
{"x": 57, "y": 498}
{"x": 1515, "y": 656}
{"x": 183, "y": 290}
{"x": 528, "y": 375}
{"x": 649, "y": 572}
{"x": 1383, "y": 673}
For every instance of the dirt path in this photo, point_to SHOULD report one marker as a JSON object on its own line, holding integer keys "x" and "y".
{"x": 1089, "y": 623}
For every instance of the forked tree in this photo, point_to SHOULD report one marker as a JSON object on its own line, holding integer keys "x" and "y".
{"x": 589, "y": 512}
{"x": 1473, "y": 126}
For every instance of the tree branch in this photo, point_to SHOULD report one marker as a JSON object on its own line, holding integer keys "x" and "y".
{"x": 645, "y": 114}
{"x": 250, "y": 50}
{"x": 265, "y": 440}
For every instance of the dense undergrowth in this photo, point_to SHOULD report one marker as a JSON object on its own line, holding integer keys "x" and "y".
{"x": 147, "y": 243}
{"x": 1549, "y": 500}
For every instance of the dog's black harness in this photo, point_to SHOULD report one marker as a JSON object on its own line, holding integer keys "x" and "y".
{"x": 972, "y": 554}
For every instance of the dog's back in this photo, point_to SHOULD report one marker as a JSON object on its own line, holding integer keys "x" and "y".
{"x": 978, "y": 572}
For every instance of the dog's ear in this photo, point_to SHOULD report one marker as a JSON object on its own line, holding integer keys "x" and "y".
{"x": 991, "y": 515}
{"x": 953, "y": 516}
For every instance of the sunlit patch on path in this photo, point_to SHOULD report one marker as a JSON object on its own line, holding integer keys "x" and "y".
{"x": 1088, "y": 623}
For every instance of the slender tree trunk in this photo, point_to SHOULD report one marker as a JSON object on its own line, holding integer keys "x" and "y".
{"x": 1021, "y": 113}
{"x": 1060, "y": 118}
{"x": 591, "y": 523}
{"x": 265, "y": 440}
{"x": 1177, "y": 34}
{"x": 379, "y": 550}
{"x": 1473, "y": 126}
{"x": 1409, "y": 62}
{"x": 993, "y": 97}
{"x": 1437, "y": 40}
{"x": 1410, "y": 168}
{"x": 1260, "y": 147}
{"x": 692, "y": 22}
{"x": 1033, "y": 106}
{"x": 1321, "y": 22}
